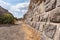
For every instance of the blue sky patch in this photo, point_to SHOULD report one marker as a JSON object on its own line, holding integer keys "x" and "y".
{"x": 17, "y": 7}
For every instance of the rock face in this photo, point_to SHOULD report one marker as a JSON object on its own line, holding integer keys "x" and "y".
{"x": 44, "y": 15}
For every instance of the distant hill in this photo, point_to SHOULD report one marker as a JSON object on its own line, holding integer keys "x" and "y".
{"x": 6, "y": 17}
{"x": 4, "y": 11}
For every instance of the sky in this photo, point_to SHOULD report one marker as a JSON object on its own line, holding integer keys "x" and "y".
{"x": 17, "y": 7}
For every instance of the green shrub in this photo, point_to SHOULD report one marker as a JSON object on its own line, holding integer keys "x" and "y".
{"x": 1, "y": 19}
{"x": 6, "y": 19}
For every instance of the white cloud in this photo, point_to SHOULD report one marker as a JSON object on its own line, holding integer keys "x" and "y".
{"x": 19, "y": 8}
{"x": 4, "y": 4}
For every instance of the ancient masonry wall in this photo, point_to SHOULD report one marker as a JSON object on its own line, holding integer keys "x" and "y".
{"x": 44, "y": 15}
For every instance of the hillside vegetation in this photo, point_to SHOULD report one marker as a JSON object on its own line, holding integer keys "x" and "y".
{"x": 6, "y": 17}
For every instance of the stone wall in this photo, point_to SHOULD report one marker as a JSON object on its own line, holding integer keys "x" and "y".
{"x": 44, "y": 15}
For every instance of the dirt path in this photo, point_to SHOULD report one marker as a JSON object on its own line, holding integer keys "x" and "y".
{"x": 21, "y": 31}
{"x": 31, "y": 34}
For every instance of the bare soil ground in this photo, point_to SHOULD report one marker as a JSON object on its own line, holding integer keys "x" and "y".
{"x": 21, "y": 31}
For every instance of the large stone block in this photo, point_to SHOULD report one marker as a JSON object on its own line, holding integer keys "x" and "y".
{"x": 50, "y": 30}
{"x": 50, "y": 5}
{"x": 34, "y": 24}
{"x": 55, "y": 15}
{"x": 37, "y": 26}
